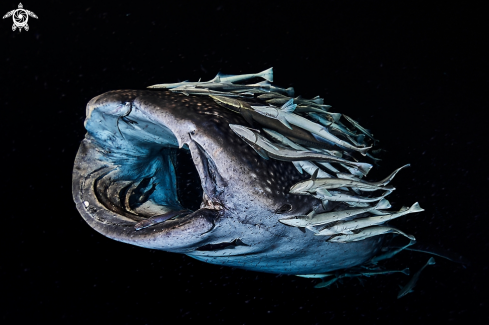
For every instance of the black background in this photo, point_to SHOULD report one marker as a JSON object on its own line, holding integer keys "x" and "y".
{"x": 413, "y": 72}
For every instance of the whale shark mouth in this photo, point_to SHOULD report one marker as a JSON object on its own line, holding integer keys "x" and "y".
{"x": 130, "y": 171}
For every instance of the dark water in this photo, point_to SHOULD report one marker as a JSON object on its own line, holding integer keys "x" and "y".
{"x": 416, "y": 74}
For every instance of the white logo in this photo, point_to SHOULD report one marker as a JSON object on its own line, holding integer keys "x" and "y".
{"x": 20, "y": 17}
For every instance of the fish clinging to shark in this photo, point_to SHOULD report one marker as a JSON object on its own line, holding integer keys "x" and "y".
{"x": 264, "y": 202}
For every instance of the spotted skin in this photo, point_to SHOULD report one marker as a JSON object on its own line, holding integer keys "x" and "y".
{"x": 242, "y": 191}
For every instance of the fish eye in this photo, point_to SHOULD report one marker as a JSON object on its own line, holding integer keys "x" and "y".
{"x": 284, "y": 208}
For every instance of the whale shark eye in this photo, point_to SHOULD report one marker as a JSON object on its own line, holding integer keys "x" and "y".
{"x": 284, "y": 208}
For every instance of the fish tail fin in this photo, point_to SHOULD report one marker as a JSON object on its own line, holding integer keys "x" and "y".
{"x": 431, "y": 261}
{"x": 289, "y": 106}
{"x": 290, "y": 91}
{"x": 416, "y": 208}
{"x": 405, "y": 271}
{"x": 267, "y": 74}
{"x": 317, "y": 100}
{"x": 383, "y": 204}
{"x": 389, "y": 178}
{"x": 364, "y": 167}
{"x": 363, "y": 151}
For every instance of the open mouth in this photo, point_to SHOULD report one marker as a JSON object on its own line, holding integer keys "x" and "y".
{"x": 131, "y": 176}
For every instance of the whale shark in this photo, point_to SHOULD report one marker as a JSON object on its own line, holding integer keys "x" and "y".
{"x": 144, "y": 147}
{"x": 132, "y": 137}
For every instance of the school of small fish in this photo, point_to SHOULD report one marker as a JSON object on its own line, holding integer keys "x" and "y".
{"x": 305, "y": 133}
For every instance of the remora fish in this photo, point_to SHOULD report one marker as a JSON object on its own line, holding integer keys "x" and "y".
{"x": 329, "y": 217}
{"x": 350, "y": 227}
{"x": 410, "y": 285}
{"x": 222, "y": 86}
{"x": 312, "y": 185}
{"x": 286, "y": 116}
{"x": 271, "y": 88}
{"x": 365, "y": 233}
{"x": 337, "y": 196}
{"x": 242, "y": 107}
{"x": 266, "y": 74}
{"x": 285, "y": 141}
{"x": 266, "y": 149}
{"x": 359, "y": 127}
{"x": 390, "y": 254}
{"x": 241, "y": 193}
{"x": 317, "y": 102}
{"x": 331, "y": 124}
{"x": 203, "y": 91}
{"x": 383, "y": 182}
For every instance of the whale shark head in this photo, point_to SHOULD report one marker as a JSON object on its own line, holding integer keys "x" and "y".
{"x": 129, "y": 169}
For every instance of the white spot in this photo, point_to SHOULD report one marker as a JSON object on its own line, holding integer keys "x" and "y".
{"x": 86, "y": 203}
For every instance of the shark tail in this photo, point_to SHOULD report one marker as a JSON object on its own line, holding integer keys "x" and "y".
{"x": 267, "y": 74}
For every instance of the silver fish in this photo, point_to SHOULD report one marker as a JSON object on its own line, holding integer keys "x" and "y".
{"x": 390, "y": 254}
{"x": 311, "y": 185}
{"x": 350, "y": 227}
{"x": 314, "y": 276}
{"x": 411, "y": 283}
{"x": 203, "y": 91}
{"x": 285, "y": 115}
{"x": 367, "y": 233}
{"x": 266, "y": 149}
{"x": 337, "y": 196}
{"x": 382, "y": 182}
{"x": 317, "y": 102}
{"x": 266, "y": 74}
{"x": 285, "y": 141}
{"x": 313, "y": 219}
{"x": 331, "y": 124}
{"x": 359, "y": 127}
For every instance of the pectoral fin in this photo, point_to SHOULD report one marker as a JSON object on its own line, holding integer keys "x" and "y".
{"x": 285, "y": 122}
{"x": 247, "y": 116}
{"x": 323, "y": 192}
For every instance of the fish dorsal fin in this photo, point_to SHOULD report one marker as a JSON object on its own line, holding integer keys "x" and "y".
{"x": 299, "y": 97}
{"x": 199, "y": 79}
{"x": 314, "y": 175}
{"x": 289, "y": 106}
